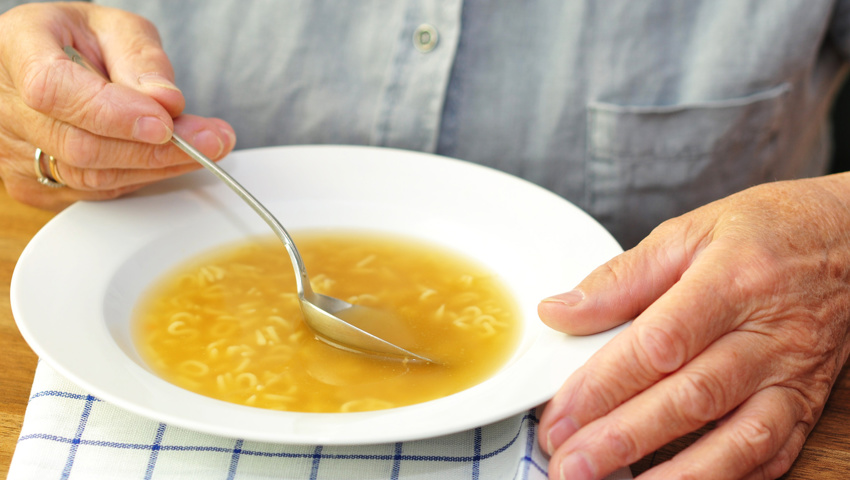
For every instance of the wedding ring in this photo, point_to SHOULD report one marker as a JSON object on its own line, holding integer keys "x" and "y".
{"x": 44, "y": 179}
{"x": 54, "y": 170}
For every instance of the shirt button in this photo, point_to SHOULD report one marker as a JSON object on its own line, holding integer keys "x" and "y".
{"x": 425, "y": 38}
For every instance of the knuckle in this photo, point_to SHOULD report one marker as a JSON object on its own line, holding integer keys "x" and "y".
{"x": 79, "y": 148}
{"x": 98, "y": 179}
{"x": 808, "y": 397}
{"x": 754, "y": 439}
{"x": 96, "y": 116}
{"x": 755, "y": 273}
{"x": 600, "y": 388}
{"x": 609, "y": 272}
{"x": 38, "y": 86}
{"x": 622, "y": 441}
{"x": 784, "y": 458}
{"x": 162, "y": 156}
{"x": 701, "y": 399}
{"x": 808, "y": 386}
{"x": 661, "y": 349}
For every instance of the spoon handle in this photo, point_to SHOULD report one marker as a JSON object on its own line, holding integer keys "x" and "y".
{"x": 301, "y": 280}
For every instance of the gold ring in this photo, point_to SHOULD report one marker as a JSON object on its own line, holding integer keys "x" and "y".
{"x": 44, "y": 179}
{"x": 54, "y": 170}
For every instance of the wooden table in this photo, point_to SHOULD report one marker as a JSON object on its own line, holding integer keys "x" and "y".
{"x": 826, "y": 455}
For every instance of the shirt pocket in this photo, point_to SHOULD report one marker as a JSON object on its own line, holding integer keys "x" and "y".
{"x": 650, "y": 163}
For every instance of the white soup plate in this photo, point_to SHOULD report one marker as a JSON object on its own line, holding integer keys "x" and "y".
{"x": 76, "y": 284}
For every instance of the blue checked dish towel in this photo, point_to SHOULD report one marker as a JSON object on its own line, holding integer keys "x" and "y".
{"x": 70, "y": 434}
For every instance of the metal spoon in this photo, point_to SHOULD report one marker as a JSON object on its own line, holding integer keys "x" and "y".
{"x": 321, "y": 312}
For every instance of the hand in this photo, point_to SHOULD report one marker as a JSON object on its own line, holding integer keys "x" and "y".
{"x": 741, "y": 311}
{"x": 109, "y": 138}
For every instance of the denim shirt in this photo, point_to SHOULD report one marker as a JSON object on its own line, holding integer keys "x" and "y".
{"x": 637, "y": 111}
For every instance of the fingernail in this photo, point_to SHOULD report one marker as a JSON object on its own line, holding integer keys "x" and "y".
{"x": 576, "y": 466}
{"x": 154, "y": 79}
{"x": 559, "y": 432}
{"x": 231, "y": 136}
{"x": 151, "y": 130}
{"x": 570, "y": 299}
{"x": 208, "y": 142}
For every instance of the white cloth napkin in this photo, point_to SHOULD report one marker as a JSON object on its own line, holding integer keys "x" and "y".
{"x": 70, "y": 434}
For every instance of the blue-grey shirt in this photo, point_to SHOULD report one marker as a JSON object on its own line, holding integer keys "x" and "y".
{"x": 636, "y": 111}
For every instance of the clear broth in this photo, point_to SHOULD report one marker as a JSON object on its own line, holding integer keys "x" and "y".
{"x": 227, "y": 324}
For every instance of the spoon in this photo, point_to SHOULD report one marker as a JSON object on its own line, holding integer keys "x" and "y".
{"x": 323, "y": 314}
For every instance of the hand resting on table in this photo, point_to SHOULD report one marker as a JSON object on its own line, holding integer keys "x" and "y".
{"x": 741, "y": 311}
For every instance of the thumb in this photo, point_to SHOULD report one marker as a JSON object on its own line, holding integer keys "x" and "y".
{"x": 66, "y": 95}
{"x": 133, "y": 55}
{"x": 618, "y": 290}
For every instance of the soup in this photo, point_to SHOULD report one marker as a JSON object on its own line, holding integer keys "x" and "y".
{"x": 228, "y": 325}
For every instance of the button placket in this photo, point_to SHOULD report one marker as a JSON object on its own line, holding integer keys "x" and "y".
{"x": 410, "y": 107}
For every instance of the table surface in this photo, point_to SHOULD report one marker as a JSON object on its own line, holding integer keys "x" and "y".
{"x": 826, "y": 454}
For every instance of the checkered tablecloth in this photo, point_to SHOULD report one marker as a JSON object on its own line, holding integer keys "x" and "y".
{"x": 70, "y": 434}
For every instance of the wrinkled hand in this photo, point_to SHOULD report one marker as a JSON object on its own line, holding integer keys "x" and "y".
{"x": 741, "y": 311}
{"x": 109, "y": 138}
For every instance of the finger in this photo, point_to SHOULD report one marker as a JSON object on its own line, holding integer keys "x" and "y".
{"x": 110, "y": 158}
{"x": 98, "y": 175}
{"x": 21, "y": 183}
{"x": 86, "y": 184}
{"x": 759, "y": 440}
{"x": 668, "y": 334}
{"x": 27, "y": 190}
{"x": 50, "y": 83}
{"x": 213, "y": 137}
{"x": 784, "y": 459}
{"x": 696, "y": 394}
{"x": 622, "y": 288}
{"x": 79, "y": 148}
{"x": 133, "y": 55}
{"x": 109, "y": 179}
